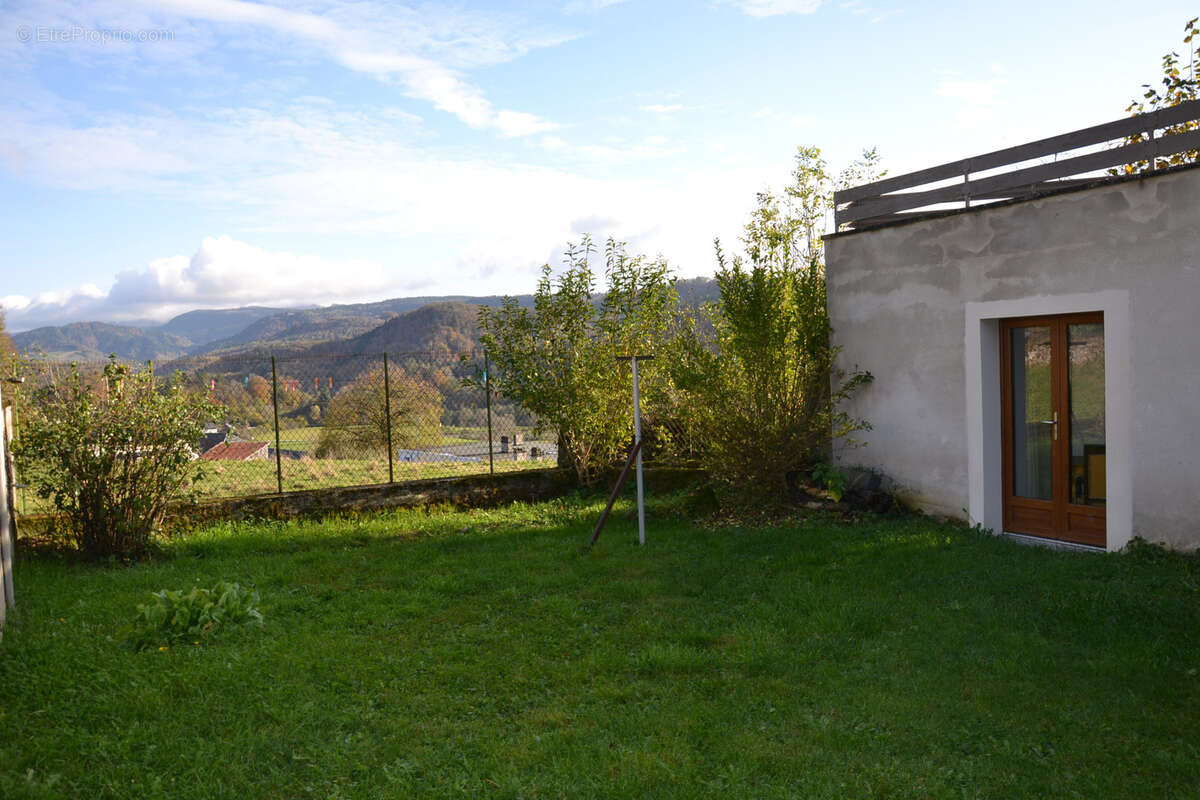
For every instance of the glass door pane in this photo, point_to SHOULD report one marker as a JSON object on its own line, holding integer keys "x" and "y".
{"x": 1085, "y": 386}
{"x": 1033, "y": 421}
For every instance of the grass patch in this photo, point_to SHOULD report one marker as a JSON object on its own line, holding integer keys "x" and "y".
{"x": 240, "y": 478}
{"x": 460, "y": 654}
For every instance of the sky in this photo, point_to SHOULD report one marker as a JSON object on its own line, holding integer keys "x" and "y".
{"x": 170, "y": 155}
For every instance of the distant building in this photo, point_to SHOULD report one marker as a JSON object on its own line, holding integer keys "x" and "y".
{"x": 237, "y": 451}
{"x": 211, "y": 436}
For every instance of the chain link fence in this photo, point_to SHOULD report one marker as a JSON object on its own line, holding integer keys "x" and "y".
{"x": 290, "y": 423}
{"x": 293, "y": 423}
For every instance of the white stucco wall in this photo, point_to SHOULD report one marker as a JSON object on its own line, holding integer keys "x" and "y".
{"x": 917, "y": 304}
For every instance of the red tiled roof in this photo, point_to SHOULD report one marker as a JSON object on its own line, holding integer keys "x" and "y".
{"x": 233, "y": 451}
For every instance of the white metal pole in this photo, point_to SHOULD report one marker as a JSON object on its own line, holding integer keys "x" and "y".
{"x": 637, "y": 439}
{"x": 6, "y": 542}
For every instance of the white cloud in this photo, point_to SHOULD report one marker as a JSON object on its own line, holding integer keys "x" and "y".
{"x": 981, "y": 93}
{"x": 363, "y": 48}
{"x": 518, "y": 123}
{"x": 650, "y": 148}
{"x": 980, "y": 100}
{"x": 466, "y": 223}
{"x": 585, "y": 6}
{"x": 777, "y": 117}
{"x": 223, "y": 272}
{"x": 494, "y": 225}
{"x": 662, "y": 108}
{"x": 775, "y": 8}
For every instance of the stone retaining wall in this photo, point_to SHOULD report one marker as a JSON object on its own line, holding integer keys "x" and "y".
{"x": 473, "y": 491}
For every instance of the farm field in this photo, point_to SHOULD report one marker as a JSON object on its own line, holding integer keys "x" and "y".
{"x": 305, "y": 439}
{"x": 459, "y": 654}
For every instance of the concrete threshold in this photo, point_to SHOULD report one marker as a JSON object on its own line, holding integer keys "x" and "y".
{"x": 1052, "y": 544}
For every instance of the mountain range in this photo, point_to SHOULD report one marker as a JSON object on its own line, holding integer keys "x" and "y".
{"x": 402, "y": 324}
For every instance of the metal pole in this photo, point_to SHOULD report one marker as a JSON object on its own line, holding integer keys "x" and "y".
{"x": 387, "y": 410}
{"x": 637, "y": 443}
{"x": 7, "y": 597}
{"x": 487, "y": 395}
{"x": 16, "y": 402}
{"x": 275, "y": 406}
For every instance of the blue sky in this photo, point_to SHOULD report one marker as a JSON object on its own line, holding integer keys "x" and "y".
{"x": 163, "y": 156}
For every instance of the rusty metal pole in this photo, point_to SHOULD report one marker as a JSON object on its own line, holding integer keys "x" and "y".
{"x": 612, "y": 498}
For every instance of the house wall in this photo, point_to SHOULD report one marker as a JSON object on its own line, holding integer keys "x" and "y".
{"x": 917, "y": 304}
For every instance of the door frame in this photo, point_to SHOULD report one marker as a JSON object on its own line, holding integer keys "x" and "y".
{"x": 1059, "y": 509}
{"x": 981, "y": 368}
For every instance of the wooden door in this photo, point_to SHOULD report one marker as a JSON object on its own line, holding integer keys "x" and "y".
{"x": 1052, "y": 379}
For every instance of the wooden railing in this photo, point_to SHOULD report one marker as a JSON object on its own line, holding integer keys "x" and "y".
{"x": 884, "y": 201}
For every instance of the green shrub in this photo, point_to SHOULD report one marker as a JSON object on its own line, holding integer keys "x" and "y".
{"x": 356, "y": 425}
{"x": 175, "y": 616}
{"x": 111, "y": 452}
{"x": 762, "y": 390}
{"x": 558, "y": 360}
{"x": 832, "y": 478}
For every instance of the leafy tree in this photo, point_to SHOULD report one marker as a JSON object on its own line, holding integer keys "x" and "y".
{"x": 558, "y": 360}
{"x": 259, "y": 388}
{"x": 762, "y": 392}
{"x": 1179, "y": 84}
{"x": 8, "y": 352}
{"x": 111, "y": 456}
{"x": 357, "y": 421}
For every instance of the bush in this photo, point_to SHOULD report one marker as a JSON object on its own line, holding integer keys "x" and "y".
{"x": 558, "y": 360}
{"x": 111, "y": 453}
{"x": 173, "y": 616}
{"x": 357, "y": 423}
{"x": 762, "y": 391}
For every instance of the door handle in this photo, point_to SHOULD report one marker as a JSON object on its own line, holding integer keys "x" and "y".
{"x": 1053, "y": 422}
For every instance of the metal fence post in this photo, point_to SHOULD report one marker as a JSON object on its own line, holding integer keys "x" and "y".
{"x": 387, "y": 411}
{"x": 7, "y": 544}
{"x": 275, "y": 406}
{"x": 487, "y": 398}
{"x": 12, "y": 431}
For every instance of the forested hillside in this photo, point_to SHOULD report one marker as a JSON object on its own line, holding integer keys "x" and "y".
{"x": 93, "y": 341}
{"x": 437, "y": 327}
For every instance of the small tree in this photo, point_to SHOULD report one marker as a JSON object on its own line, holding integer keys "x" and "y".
{"x": 8, "y": 350}
{"x": 357, "y": 421}
{"x": 112, "y": 454}
{"x": 558, "y": 359}
{"x": 763, "y": 393}
{"x": 1180, "y": 83}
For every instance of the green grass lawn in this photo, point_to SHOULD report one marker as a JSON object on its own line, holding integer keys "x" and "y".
{"x": 482, "y": 654}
